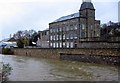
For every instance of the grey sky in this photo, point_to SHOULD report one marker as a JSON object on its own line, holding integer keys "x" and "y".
{"x": 37, "y": 14}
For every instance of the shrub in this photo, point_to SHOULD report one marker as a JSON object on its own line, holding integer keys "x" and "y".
{"x": 7, "y": 51}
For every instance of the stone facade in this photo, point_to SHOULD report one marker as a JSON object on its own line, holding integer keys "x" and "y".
{"x": 67, "y": 31}
{"x": 43, "y": 41}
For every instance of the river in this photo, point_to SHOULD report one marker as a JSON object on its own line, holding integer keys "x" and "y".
{"x": 37, "y": 69}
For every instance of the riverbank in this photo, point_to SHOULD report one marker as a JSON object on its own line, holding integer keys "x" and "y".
{"x": 105, "y": 56}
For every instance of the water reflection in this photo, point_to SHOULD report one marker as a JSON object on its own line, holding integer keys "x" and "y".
{"x": 37, "y": 69}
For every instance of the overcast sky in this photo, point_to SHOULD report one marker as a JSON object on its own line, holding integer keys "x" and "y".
{"x": 37, "y": 14}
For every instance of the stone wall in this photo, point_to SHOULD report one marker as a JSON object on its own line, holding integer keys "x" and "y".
{"x": 93, "y": 44}
{"x": 114, "y": 60}
{"x": 55, "y": 53}
{"x": 98, "y": 55}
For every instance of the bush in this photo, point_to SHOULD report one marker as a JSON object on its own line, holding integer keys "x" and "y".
{"x": 20, "y": 43}
{"x": 7, "y": 51}
{"x": 6, "y": 71}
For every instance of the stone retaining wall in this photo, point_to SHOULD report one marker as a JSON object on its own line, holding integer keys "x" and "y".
{"x": 114, "y": 60}
{"x": 98, "y": 45}
{"x": 109, "y": 56}
{"x": 55, "y": 53}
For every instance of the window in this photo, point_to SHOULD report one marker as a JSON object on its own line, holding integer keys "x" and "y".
{"x": 60, "y": 37}
{"x": 63, "y": 44}
{"x": 60, "y": 45}
{"x": 75, "y": 26}
{"x": 97, "y": 35}
{"x": 75, "y": 36}
{"x": 47, "y": 33}
{"x": 60, "y": 29}
{"x": 83, "y": 34}
{"x": 54, "y": 37}
{"x": 51, "y": 44}
{"x": 50, "y": 30}
{"x": 67, "y": 28}
{"x": 71, "y": 44}
{"x": 57, "y": 45}
{"x": 57, "y": 30}
{"x": 63, "y": 36}
{"x": 64, "y": 29}
{"x": 67, "y": 36}
{"x": 71, "y": 27}
{"x": 83, "y": 27}
{"x": 67, "y": 44}
{"x": 57, "y": 37}
{"x": 71, "y": 36}
{"x": 91, "y": 27}
{"x": 50, "y": 37}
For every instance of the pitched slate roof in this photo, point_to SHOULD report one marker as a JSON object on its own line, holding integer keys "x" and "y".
{"x": 67, "y": 17}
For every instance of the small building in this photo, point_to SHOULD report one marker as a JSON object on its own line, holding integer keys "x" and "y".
{"x": 43, "y": 39}
{"x": 69, "y": 31}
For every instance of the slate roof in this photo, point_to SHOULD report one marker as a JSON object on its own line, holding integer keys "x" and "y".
{"x": 67, "y": 17}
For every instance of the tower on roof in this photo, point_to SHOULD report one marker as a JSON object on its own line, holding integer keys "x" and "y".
{"x": 86, "y": 0}
{"x": 87, "y": 4}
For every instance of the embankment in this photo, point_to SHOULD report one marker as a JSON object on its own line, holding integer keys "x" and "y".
{"x": 109, "y": 56}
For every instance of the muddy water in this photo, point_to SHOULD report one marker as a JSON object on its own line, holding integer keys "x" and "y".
{"x": 37, "y": 69}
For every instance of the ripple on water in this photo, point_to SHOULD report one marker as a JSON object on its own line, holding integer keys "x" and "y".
{"x": 37, "y": 69}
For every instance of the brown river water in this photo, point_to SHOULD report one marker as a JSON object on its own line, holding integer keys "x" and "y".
{"x": 38, "y": 69}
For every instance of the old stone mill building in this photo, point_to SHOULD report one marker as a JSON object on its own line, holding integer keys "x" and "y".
{"x": 69, "y": 31}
